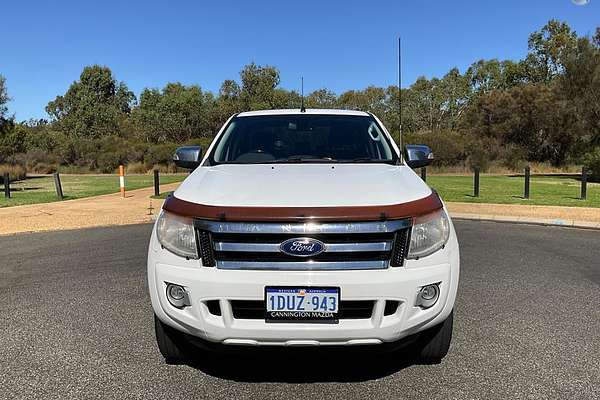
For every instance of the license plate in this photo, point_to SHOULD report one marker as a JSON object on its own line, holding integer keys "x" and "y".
{"x": 301, "y": 304}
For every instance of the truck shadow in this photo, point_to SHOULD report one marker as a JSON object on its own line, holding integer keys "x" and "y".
{"x": 302, "y": 365}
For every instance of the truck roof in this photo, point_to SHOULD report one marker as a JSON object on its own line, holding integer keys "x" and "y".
{"x": 297, "y": 111}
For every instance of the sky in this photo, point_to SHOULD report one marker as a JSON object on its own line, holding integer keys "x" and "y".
{"x": 339, "y": 45}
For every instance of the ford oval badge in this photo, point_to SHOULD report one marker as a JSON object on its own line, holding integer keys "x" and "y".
{"x": 302, "y": 247}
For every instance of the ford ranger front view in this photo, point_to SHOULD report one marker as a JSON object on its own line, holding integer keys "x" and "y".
{"x": 303, "y": 228}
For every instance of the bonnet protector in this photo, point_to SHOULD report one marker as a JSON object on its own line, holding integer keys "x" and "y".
{"x": 296, "y": 214}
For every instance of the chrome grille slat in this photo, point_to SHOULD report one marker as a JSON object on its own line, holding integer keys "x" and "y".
{"x": 303, "y": 228}
{"x": 329, "y": 247}
{"x": 303, "y": 266}
{"x": 348, "y": 246}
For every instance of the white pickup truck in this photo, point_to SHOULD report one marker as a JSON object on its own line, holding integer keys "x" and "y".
{"x": 303, "y": 228}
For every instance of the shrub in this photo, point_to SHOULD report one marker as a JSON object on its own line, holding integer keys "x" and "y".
{"x": 168, "y": 169}
{"x": 514, "y": 157}
{"x": 479, "y": 158}
{"x": 136, "y": 168}
{"x": 160, "y": 154}
{"x": 449, "y": 147}
{"x": 15, "y": 171}
{"x": 106, "y": 163}
{"x": 203, "y": 142}
{"x": 36, "y": 161}
{"x": 74, "y": 169}
{"x": 41, "y": 137}
{"x": 592, "y": 163}
{"x": 11, "y": 139}
{"x": 43, "y": 168}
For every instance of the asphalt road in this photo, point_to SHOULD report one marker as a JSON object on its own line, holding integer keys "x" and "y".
{"x": 76, "y": 322}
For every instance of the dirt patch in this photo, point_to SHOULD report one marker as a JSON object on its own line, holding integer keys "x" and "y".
{"x": 567, "y": 214}
{"x": 111, "y": 209}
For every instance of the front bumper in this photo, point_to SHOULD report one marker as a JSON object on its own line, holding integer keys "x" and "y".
{"x": 399, "y": 284}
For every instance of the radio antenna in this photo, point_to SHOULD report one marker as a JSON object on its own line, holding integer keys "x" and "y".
{"x": 400, "y": 95}
{"x": 302, "y": 109}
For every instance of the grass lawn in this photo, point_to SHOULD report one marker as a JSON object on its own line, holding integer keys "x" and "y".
{"x": 558, "y": 190}
{"x": 41, "y": 189}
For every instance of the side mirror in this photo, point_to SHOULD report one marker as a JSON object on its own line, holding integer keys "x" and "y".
{"x": 418, "y": 155}
{"x": 188, "y": 157}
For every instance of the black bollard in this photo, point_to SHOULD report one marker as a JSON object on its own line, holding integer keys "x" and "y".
{"x": 7, "y": 185}
{"x": 156, "y": 183}
{"x": 476, "y": 182}
{"x": 583, "y": 183}
{"x": 527, "y": 178}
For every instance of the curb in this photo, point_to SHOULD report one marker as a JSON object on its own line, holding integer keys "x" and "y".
{"x": 566, "y": 223}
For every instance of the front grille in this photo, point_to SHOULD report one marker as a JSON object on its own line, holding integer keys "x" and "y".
{"x": 325, "y": 256}
{"x": 255, "y": 309}
{"x": 365, "y": 245}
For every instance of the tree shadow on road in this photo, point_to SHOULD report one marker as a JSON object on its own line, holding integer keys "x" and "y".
{"x": 303, "y": 365}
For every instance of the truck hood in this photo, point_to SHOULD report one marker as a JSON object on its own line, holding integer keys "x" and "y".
{"x": 302, "y": 185}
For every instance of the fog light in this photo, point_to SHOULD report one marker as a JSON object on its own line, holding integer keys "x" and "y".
{"x": 428, "y": 296}
{"x": 177, "y": 295}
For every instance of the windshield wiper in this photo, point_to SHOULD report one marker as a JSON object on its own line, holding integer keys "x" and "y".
{"x": 300, "y": 159}
{"x": 362, "y": 159}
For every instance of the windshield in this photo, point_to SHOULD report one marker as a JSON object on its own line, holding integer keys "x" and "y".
{"x": 303, "y": 138}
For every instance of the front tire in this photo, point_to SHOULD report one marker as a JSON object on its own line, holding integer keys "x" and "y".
{"x": 171, "y": 343}
{"x": 434, "y": 343}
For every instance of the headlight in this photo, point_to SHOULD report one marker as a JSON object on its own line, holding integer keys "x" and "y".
{"x": 429, "y": 234}
{"x": 176, "y": 234}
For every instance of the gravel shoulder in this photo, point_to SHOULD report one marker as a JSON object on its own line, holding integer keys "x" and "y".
{"x": 588, "y": 217}
{"x": 111, "y": 209}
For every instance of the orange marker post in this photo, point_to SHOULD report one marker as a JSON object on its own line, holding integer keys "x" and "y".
{"x": 122, "y": 179}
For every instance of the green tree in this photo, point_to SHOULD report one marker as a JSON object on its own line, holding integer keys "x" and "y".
{"x": 321, "y": 98}
{"x": 580, "y": 87}
{"x": 229, "y": 101}
{"x": 174, "y": 114}
{"x": 488, "y": 75}
{"x": 530, "y": 116}
{"x": 93, "y": 107}
{"x": 286, "y": 98}
{"x": 485, "y": 76}
{"x": 455, "y": 93}
{"x": 258, "y": 87}
{"x": 4, "y": 99}
{"x": 372, "y": 99}
{"x": 431, "y": 105}
{"x": 11, "y": 141}
{"x": 547, "y": 50}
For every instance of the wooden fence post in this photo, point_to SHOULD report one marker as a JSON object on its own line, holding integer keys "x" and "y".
{"x": 58, "y": 185}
